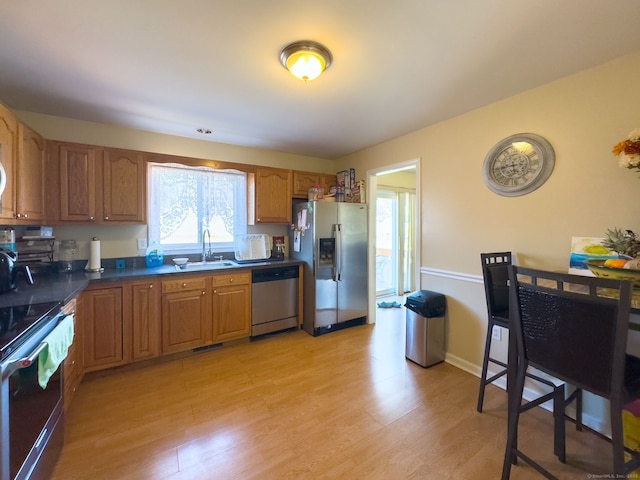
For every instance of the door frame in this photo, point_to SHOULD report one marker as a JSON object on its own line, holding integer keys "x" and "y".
{"x": 372, "y": 182}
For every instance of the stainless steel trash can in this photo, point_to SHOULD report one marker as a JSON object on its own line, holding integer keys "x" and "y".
{"x": 425, "y": 336}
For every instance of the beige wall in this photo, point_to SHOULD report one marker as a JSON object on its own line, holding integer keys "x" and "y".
{"x": 582, "y": 116}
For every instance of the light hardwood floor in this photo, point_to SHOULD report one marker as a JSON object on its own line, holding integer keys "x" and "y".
{"x": 346, "y": 405}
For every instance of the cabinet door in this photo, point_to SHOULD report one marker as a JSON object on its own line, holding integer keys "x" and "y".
{"x": 272, "y": 195}
{"x": 328, "y": 181}
{"x": 123, "y": 186}
{"x": 231, "y": 306}
{"x": 77, "y": 183}
{"x": 30, "y": 181}
{"x": 146, "y": 319}
{"x": 302, "y": 182}
{"x": 184, "y": 320}
{"x": 102, "y": 327}
{"x": 72, "y": 365}
{"x": 231, "y": 313}
{"x": 8, "y": 152}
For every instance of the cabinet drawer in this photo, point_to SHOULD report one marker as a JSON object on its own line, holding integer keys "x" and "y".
{"x": 71, "y": 362}
{"x": 183, "y": 284}
{"x": 235, "y": 278}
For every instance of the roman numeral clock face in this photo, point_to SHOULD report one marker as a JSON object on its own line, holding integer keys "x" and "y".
{"x": 518, "y": 165}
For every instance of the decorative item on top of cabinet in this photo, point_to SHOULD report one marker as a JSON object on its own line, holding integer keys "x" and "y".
{"x": 231, "y": 306}
{"x": 9, "y": 149}
{"x": 302, "y": 181}
{"x": 106, "y": 334}
{"x": 30, "y": 179}
{"x": 185, "y": 318}
{"x": 271, "y": 192}
{"x": 89, "y": 184}
{"x": 145, "y": 319}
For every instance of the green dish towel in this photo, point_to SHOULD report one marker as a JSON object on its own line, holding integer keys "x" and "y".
{"x": 55, "y": 350}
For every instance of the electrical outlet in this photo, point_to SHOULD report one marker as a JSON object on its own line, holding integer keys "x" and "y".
{"x": 496, "y": 333}
{"x": 142, "y": 244}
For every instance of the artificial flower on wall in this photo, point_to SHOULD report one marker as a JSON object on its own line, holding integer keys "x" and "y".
{"x": 628, "y": 151}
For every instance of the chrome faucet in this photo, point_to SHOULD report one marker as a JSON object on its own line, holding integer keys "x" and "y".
{"x": 206, "y": 253}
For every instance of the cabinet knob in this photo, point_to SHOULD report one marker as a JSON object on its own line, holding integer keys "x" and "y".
{"x": 18, "y": 215}
{"x": 204, "y": 293}
{"x": 26, "y": 216}
{"x": 184, "y": 285}
{"x": 106, "y": 218}
{"x": 215, "y": 291}
{"x": 231, "y": 280}
{"x": 151, "y": 286}
{"x": 91, "y": 219}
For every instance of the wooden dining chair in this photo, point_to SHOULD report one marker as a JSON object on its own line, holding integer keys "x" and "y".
{"x": 573, "y": 328}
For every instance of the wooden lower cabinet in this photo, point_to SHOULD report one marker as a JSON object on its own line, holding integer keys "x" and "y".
{"x": 103, "y": 321}
{"x": 72, "y": 365}
{"x": 231, "y": 304}
{"x": 185, "y": 321}
{"x": 145, "y": 304}
{"x": 143, "y": 319}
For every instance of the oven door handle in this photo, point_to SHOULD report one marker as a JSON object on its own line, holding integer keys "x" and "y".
{"x": 26, "y": 362}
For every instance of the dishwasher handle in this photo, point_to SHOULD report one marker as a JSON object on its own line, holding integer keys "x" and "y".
{"x": 274, "y": 274}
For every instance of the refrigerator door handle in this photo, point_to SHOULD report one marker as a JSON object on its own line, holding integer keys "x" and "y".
{"x": 338, "y": 254}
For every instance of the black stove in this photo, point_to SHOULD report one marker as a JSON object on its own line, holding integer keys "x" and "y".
{"x": 18, "y": 323}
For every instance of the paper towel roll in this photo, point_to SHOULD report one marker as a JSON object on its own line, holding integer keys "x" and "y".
{"x": 94, "y": 264}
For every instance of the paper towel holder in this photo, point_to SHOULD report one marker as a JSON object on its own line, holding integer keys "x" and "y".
{"x": 97, "y": 269}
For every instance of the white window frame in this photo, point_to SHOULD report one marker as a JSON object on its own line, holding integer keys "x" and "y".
{"x": 240, "y": 213}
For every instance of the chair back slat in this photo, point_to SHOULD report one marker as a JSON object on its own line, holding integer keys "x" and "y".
{"x": 572, "y": 327}
{"x": 496, "y": 282}
{"x": 570, "y": 337}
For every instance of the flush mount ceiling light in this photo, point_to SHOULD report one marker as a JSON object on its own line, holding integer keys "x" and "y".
{"x": 305, "y": 59}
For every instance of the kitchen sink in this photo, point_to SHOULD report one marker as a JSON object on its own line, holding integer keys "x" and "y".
{"x": 215, "y": 264}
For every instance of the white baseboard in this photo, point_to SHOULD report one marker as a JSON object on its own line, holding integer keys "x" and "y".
{"x": 528, "y": 393}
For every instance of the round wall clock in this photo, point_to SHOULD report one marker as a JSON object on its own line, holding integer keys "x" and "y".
{"x": 518, "y": 165}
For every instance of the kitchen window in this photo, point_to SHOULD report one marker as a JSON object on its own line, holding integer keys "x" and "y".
{"x": 189, "y": 205}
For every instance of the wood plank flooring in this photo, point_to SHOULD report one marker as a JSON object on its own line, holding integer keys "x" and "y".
{"x": 346, "y": 405}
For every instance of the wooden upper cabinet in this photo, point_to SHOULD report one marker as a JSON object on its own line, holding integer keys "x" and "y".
{"x": 77, "y": 183}
{"x": 123, "y": 186}
{"x": 89, "y": 184}
{"x": 30, "y": 180}
{"x": 272, "y": 196}
{"x": 8, "y": 155}
{"x": 303, "y": 181}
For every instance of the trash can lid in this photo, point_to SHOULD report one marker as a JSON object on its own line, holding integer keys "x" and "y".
{"x": 427, "y": 303}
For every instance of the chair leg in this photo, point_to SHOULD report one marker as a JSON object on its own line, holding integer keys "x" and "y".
{"x": 579, "y": 410}
{"x": 515, "y": 398}
{"x": 617, "y": 438}
{"x": 485, "y": 365}
{"x": 559, "y": 433}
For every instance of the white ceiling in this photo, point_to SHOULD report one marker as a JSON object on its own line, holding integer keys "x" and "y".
{"x": 173, "y": 66}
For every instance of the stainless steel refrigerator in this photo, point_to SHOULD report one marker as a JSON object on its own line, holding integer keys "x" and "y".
{"x": 331, "y": 239}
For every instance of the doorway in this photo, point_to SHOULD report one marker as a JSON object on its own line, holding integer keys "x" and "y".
{"x": 395, "y": 232}
{"x": 394, "y": 215}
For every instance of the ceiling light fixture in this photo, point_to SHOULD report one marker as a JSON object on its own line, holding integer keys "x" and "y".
{"x": 305, "y": 59}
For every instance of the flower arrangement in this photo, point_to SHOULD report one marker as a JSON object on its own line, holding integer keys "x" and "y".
{"x": 628, "y": 151}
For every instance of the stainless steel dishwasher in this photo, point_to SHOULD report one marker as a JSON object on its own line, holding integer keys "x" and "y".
{"x": 274, "y": 299}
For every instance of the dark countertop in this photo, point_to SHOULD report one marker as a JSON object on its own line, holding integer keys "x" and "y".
{"x": 63, "y": 287}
